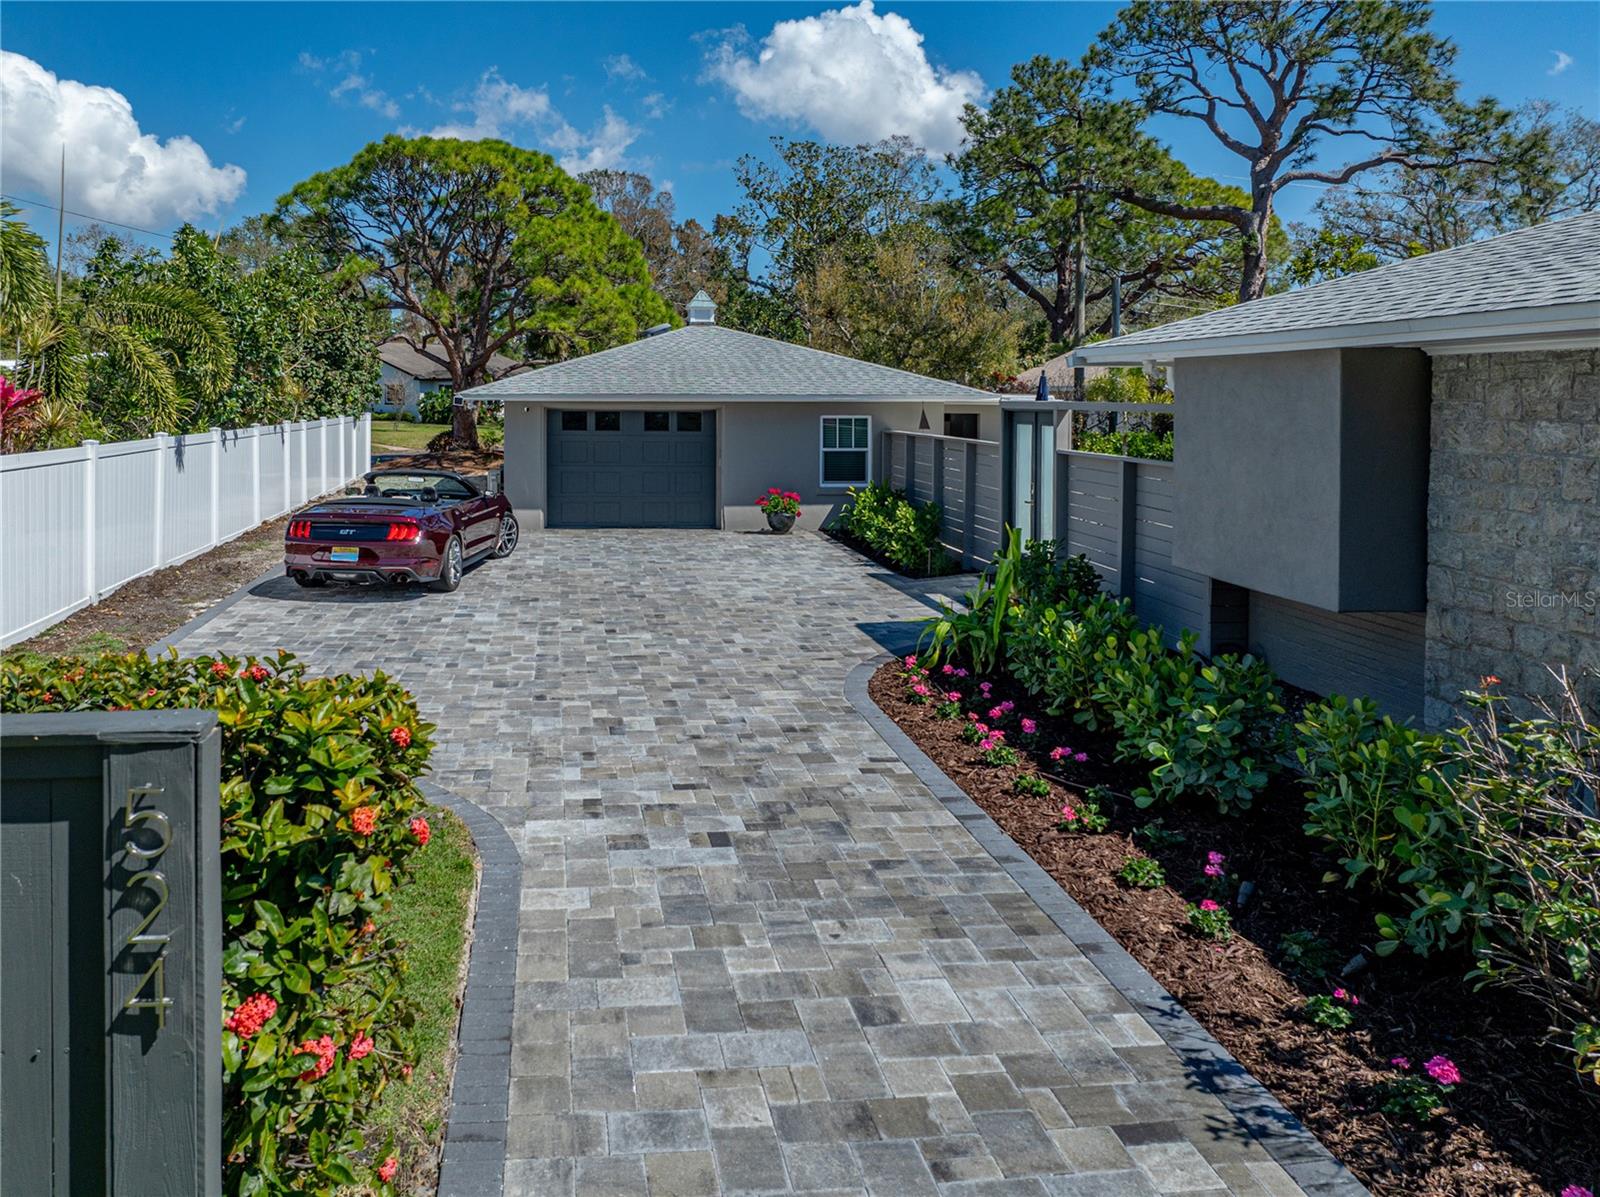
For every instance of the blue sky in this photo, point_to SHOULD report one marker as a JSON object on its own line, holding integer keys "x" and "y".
{"x": 223, "y": 107}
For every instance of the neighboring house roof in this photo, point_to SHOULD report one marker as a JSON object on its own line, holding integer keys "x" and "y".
{"x": 705, "y": 360}
{"x": 403, "y": 357}
{"x": 1535, "y": 287}
{"x": 1060, "y": 371}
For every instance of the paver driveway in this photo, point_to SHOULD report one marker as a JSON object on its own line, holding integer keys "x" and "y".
{"x": 756, "y": 954}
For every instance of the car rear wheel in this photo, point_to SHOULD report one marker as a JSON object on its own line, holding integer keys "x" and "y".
{"x": 310, "y": 581}
{"x": 450, "y": 569}
{"x": 508, "y": 536}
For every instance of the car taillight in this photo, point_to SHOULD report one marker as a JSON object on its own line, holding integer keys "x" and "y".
{"x": 299, "y": 529}
{"x": 404, "y": 531}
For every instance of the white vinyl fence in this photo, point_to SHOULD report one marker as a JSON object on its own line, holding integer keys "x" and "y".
{"x": 77, "y": 523}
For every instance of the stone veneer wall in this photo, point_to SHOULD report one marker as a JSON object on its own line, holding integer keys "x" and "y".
{"x": 1513, "y": 524}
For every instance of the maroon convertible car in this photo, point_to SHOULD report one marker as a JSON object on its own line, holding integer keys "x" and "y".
{"x": 408, "y": 525}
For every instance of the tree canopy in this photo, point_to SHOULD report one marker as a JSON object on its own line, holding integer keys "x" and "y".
{"x": 1283, "y": 84}
{"x": 488, "y": 247}
{"x": 1039, "y": 179}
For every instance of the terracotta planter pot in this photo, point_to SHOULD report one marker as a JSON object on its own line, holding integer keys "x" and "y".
{"x": 780, "y": 521}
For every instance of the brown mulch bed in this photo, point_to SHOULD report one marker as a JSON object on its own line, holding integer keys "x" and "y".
{"x": 1520, "y": 1123}
{"x": 148, "y": 608}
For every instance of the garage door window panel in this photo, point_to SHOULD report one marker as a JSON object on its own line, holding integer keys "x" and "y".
{"x": 846, "y": 452}
{"x": 608, "y": 421}
{"x": 657, "y": 421}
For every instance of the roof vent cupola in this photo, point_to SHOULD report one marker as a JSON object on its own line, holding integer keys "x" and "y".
{"x": 702, "y": 310}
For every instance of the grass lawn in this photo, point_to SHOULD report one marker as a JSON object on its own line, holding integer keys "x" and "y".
{"x": 398, "y": 434}
{"x": 429, "y": 915}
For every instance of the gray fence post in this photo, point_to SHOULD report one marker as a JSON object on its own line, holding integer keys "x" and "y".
{"x": 969, "y": 505}
{"x": 1127, "y": 536}
{"x": 111, "y": 959}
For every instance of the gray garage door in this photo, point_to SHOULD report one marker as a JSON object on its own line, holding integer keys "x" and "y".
{"x": 633, "y": 469}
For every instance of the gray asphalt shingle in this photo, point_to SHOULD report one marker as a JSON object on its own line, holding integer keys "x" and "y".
{"x": 1544, "y": 266}
{"x": 708, "y": 359}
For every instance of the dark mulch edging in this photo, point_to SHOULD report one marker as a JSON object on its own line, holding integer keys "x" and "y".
{"x": 866, "y": 550}
{"x": 1520, "y": 1123}
{"x": 475, "y": 1138}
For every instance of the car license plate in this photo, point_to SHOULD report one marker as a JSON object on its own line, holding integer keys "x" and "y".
{"x": 344, "y": 554}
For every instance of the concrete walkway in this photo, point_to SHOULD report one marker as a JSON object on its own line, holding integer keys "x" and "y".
{"x": 756, "y": 954}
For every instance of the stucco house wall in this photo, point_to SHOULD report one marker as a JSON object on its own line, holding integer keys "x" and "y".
{"x": 1513, "y": 523}
{"x": 412, "y": 388}
{"x": 760, "y": 444}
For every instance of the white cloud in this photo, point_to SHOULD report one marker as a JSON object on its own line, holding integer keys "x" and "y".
{"x": 115, "y": 170}
{"x": 656, "y": 105}
{"x": 621, "y": 66}
{"x": 501, "y": 109}
{"x": 1562, "y": 62}
{"x": 351, "y": 83}
{"x": 850, "y": 74}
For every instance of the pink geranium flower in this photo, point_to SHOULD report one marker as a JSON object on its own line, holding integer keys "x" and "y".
{"x": 1400, "y": 1062}
{"x": 1576, "y": 1191}
{"x": 1068, "y": 813}
{"x": 1029, "y": 727}
{"x": 1208, "y": 904}
{"x": 1081, "y": 757}
{"x": 1215, "y": 864}
{"x": 1441, "y": 1069}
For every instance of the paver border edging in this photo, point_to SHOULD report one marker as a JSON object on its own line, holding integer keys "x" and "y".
{"x": 1295, "y": 1149}
{"x": 474, "y": 1159}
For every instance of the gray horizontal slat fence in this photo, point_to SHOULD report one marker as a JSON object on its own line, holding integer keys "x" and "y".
{"x": 1377, "y": 655}
{"x": 961, "y": 475}
{"x": 77, "y": 523}
{"x": 1117, "y": 512}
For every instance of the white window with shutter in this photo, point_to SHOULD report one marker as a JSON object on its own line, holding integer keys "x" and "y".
{"x": 845, "y": 458}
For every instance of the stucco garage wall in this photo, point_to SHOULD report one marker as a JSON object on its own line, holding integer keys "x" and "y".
{"x": 1513, "y": 523}
{"x": 759, "y": 445}
{"x": 524, "y": 477}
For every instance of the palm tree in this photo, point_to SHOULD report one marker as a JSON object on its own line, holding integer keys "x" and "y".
{"x": 145, "y": 355}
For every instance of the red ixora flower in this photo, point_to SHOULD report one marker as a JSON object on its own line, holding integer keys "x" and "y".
{"x": 420, "y": 829}
{"x": 361, "y": 1046}
{"x": 324, "y": 1050}
{"x": 401, "y": 736}
{"x": 219, "y": 668}
{"x": 258, "y": 673}
{"x": 387, "y": 1169}
{"x": 1489, "y": 679}
{"x": 251, "y": 1015}
{"x": 364, "y": 819}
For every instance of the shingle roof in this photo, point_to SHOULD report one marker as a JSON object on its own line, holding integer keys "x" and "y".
{"x": 403, "y": 357}
{"x": 709, "y": 359}
{"x": 1547, "y": 266}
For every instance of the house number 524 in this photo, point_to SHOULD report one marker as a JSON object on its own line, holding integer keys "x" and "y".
{"x": 147, "y": 835}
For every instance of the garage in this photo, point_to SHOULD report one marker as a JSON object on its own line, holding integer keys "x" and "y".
{"x": 632, "y": 469}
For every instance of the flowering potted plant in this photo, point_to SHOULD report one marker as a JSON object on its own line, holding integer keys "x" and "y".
{"x": 781, "y": 507}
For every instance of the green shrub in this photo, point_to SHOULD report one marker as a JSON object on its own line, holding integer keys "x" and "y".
{"x": 1369, "y": 782}
{"x": 1046, "y": 578}
{"x": 434, "y": 407}
{"x": 904, "y": 533}
{"x": 1527, "y": 790}
{"x": 1336, "y": 1011}
{"x": 1123, "y": 384}
{"x": 1144, "y": 443}
{"x": 1031, "y": 784}
{"x": 318, "y": 799}
{"x": 1057, "y": 654}
{"x": 1209, "y": 920}
{"x": 1142, "y": 873}
{"x": 1208, "y": 727}
{"x": 1309, "y": 954}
